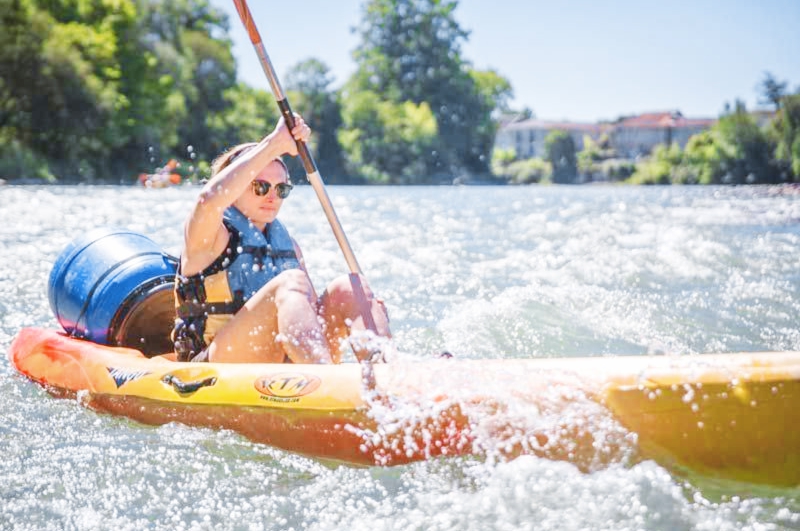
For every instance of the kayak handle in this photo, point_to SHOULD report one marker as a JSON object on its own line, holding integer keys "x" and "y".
{"x": 185, "y": 388}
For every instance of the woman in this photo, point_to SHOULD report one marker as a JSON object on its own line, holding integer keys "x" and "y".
{"x": 242, "y": 291}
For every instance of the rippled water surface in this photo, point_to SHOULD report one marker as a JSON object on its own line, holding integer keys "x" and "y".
{"x": 484, "y": 272}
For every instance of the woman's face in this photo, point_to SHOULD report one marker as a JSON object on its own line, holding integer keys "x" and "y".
{"x": 263, "y": 209}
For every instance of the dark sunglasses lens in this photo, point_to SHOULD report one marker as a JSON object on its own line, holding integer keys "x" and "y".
{"x": 261, "y": 188}
{"x": 283, "y": 190}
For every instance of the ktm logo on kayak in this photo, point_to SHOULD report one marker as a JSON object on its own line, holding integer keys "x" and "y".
{"x": 287, "y": 384}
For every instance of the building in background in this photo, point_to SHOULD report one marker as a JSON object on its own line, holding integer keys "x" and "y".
{"x": 526, "y": 137}
{"x": 638, "y": 135}
{"x": 630, "y": 137}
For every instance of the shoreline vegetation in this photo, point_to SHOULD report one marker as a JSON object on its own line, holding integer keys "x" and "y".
{"x": 740, "y": 147}
{"x": 106, "y": 92}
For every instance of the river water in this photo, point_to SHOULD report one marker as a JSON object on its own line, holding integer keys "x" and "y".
{"x": 484, "y": 272}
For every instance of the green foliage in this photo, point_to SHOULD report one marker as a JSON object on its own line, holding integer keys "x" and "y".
{"x": 745, "y": 149}
{"x": 101, "y": 90}
{"x": 24, "y": 31}
{"x": 190, "y": 67}
{"x": 502, "y": 158}
{"x": 614, "y": 169}
{"x": 659, "y": 167}
{"x": 598, "y": 161}
{"x": 387, "y": 142}
{"x": 212, "y": 72}
{"x": 785, "y": 131}
{"x": 410, "y": 50}
{"x": 795, "y": 153}
{"x": 734, "y": 151}
{"x": 18, "y": 162}
{"x": 246, "y": 115}
{"x": 308, "y": 85}
{"x": 526, "y": 171}
{"x": 493, "y": 93}
{"x": 589, "y": 157}
{"x": 560, "y": 152}
{"x": 61, "y": 79}
{"x": 772, "y": 90}
{"x": 703, "y": 156}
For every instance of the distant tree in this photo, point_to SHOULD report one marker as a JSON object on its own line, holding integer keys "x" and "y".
{"x": 560, "y": 152}
{"x": 588, "y": 157}
{"x": 188, "y": 41}
{"x": 660, "y": 167}
{"x": 705, "y": 158}
{"x": 503, "y": 157}
{"x": 247, "y": 115}
{"x": 493, "y": 93}
{"x": 61, "y": 81}
{"x": 410, "y": 50}
{"x": 785, "y": 129}
{"x": 309, "y": 82}
{"x": 772, "y": 90}
{"x": 103, "y": 89}
{"x": 387, "y": 142}
{"x": 734, "y": 151}
{"x": 526, "y": 171}
{"x": 745, "y": 148}
{"x": 527, "y": 113}
{"x": 24, "y": 30}
{"x": 506, "y": 116}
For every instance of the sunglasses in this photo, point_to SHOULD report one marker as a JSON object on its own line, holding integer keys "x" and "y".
{"x": 262, "y": 188}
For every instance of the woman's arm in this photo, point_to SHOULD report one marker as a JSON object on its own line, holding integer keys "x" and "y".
{"x": 205, "y": 237}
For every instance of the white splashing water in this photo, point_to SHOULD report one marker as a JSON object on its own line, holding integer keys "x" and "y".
{"x": 483, "y": 272}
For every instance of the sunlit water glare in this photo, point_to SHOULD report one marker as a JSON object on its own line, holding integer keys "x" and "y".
{"x": 483, "y": 272}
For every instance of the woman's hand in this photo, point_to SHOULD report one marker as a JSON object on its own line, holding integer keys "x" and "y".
{"x": 286, "y": 140}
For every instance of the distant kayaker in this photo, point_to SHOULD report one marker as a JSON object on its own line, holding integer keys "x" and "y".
{"x": 242, "y": 291}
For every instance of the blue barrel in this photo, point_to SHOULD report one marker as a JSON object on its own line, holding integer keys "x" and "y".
{"x": 114, "y": 287}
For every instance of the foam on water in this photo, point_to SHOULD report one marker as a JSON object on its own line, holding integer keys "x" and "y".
{"x": 513, "y": 272}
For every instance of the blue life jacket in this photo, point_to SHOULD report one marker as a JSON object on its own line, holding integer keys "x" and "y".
{"x": 258, "y": 256}
{"x": 207, "y": 300}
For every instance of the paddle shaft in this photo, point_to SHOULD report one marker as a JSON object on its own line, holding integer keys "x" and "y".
{"x": 309, "y": 165}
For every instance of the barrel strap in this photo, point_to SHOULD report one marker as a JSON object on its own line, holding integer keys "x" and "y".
{"x": 189, "y": 309}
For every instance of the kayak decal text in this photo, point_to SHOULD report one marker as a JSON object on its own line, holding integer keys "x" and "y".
{"x": 287, "y": 385}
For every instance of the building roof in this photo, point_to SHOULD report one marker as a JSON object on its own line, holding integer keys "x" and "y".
{"x": 651, "y": 120}
{"x": 663, "y": 120}
{"x": 534, "y": 123}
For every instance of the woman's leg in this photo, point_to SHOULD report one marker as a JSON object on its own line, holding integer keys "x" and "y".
{"x": 280, "y": 320}
{"x": 340, "y": 310}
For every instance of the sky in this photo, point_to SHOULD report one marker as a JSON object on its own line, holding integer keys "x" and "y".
{"x": 576, "y": 60}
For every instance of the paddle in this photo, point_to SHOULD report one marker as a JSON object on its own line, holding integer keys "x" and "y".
{"x": 311, "y": 171}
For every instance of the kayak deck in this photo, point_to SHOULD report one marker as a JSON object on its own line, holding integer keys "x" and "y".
{"x": 730, "y": 416}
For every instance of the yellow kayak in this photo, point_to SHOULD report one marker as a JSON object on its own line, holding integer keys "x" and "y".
{"x": 730, "y": 416}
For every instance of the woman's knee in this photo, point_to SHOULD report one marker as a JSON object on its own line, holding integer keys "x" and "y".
{"x": 344, "y": 289}
{"x": 347, "y": 297}
{"x": 291, "y": 284}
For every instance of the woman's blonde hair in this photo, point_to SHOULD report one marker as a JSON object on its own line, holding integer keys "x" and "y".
{"x": 224, "y": 160}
